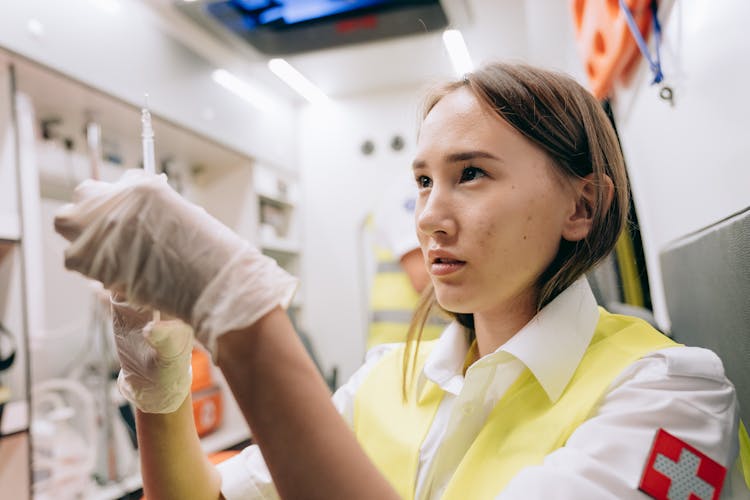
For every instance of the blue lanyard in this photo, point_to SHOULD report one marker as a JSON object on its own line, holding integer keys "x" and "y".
{"x": 654, "y": 64}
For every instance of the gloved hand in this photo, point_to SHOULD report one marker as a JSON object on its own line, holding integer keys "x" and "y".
{"x": 139, "y": 237}
{"x": 154, "y": 358}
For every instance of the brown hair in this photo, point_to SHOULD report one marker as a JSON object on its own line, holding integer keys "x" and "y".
{"x": 563, "y": 119}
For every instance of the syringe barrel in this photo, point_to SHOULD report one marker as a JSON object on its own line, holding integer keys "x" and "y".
{"x": 147, "y": 136}
{"x": 148, "y": 156}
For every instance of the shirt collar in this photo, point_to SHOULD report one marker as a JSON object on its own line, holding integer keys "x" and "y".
{"x": 563, "y": 329}
{"x": 444, "y": 366}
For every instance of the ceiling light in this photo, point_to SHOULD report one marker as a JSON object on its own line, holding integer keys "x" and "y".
{"x": 35, "y": 27}
{"x": 243, "y": 89}
{"x": 459, "y": 54}
{"x": 108, "y": 6}
{"x": 297, "y": 81}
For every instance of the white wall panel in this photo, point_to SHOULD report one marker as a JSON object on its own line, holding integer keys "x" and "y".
{"x": 689, "y": 162}
{"x": 339, "y": 187}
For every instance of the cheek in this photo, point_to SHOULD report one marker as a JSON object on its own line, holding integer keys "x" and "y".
{"x": 542, "y": 229}
{"x": 494, "y": 233}
{"x": 526, "y": 229}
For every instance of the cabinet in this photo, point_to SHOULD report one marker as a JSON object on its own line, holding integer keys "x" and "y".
{"x": 278, "y": 230}
{"x": 15, "y": 470}
{"x": 277, "y": 199}
{"x": 70, "y": 341}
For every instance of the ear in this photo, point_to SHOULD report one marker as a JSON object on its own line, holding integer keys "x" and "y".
{"x": 579, "y": 223}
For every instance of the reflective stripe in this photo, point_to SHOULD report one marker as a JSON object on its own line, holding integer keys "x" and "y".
{"x": 392, "y": 303}
{"x": 393, "y": 291}
{"x": 390, "y": 266}
{"x": 401, "y": 317}
{"x": 745, "y": 453}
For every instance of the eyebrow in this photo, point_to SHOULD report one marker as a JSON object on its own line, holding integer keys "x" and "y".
{"x": 458, "y": 157}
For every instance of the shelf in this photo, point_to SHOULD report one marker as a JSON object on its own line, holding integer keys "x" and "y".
{"x": 15, "y": 417}
{"x": 6, "y": 246}
{"x": 283, "y": 202}
{"x": 120, "y": 123}
{"x": 279, "y": 246}
{"x": 117, "y": 490}
{"x": 273, "y": 186}
{"x": 9, "y": 228}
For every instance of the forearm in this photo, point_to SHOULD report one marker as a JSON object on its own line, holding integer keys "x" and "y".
{"x": 309, "y": 449}
{"x": 172, "y": 462}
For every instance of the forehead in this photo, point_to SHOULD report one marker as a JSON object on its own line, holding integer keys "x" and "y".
{"x": 460, "y": 120}
{"x": 460, "y": 104}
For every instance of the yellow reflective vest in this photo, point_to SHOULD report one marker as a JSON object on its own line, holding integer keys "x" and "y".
{"x": 523, "y": 427}
{"x": 392, "y": 303}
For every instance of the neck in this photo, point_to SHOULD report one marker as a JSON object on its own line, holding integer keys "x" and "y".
{"x": 495, "y": 327}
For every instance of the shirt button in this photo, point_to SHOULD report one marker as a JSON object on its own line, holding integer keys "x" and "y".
{"x": 468, "y": 408}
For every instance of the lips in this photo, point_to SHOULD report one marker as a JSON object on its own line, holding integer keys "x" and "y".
{"x": 443, "y": 263}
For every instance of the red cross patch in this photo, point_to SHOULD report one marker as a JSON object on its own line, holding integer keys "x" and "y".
{"x": 677, "y": 471}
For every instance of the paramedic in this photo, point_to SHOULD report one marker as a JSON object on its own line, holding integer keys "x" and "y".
{"x": 531, "y": 392}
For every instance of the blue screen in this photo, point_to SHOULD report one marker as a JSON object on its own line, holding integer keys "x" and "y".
{"x": 248, "y": 15}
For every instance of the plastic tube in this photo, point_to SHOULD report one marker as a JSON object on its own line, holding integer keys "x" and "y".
{"x": 147, "y": 139}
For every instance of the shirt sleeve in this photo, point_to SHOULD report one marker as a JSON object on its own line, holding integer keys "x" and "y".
{"x": 246, "y": 477}
{"x": 682, "y": 390}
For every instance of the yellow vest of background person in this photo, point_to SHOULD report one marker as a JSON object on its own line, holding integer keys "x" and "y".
{"x": 523, "y": 427}
{"x": 392, "y": 303}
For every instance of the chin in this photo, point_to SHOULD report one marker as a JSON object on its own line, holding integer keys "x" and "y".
{"x": 453, "y": 301}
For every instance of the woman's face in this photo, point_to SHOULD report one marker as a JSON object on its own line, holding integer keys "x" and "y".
{"x": 491, "y": 208}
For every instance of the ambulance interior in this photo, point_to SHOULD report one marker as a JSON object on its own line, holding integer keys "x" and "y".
{"x": 297, "y": 172}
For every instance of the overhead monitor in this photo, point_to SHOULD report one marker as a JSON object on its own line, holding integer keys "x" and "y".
{"x": 280, "y": 27}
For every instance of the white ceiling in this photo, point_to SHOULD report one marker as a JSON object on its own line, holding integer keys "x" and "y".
{"x": 493, "y": 29}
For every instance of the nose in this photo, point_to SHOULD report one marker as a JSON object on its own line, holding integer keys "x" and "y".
{"x": 434, "y": 214}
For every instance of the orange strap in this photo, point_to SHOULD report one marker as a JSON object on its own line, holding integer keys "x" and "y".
{"x": 605, "y": 43}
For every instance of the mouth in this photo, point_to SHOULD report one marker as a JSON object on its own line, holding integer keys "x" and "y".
{"x": 443, "y": 266}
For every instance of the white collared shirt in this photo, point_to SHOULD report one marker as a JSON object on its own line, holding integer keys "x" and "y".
{"x": 682, "y": 390}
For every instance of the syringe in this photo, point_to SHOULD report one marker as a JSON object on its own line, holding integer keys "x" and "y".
{"x": 147, "y": 140}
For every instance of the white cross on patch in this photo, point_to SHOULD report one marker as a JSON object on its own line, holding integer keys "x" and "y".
{"x": 683, "y": 475}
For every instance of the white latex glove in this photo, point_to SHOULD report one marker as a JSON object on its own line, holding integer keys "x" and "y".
{"x": 140, "y": 238}
{"x": 154, "y": 358}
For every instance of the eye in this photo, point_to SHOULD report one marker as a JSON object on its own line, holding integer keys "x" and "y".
{"x": 470, "y": 173}
{"x": 423, "y": 181}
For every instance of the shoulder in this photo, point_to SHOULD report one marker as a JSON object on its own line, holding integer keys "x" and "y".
{"x": 677, "y": 363}
{"x": 344, "y": 396}
{"x": 682, "y": 390}
{"x": 679, "y": 388}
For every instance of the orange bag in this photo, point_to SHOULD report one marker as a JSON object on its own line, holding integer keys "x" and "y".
{"x": 201, "y": 366}
{"x": 207, "y": 397}
{"x": 607, "y": 47}
{"x": 207, "y": 409}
